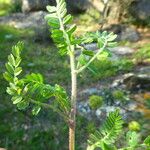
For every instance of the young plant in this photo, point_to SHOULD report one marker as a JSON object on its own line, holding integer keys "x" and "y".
{"x": 31, "y": 89}
{"x": 106, "y": 137}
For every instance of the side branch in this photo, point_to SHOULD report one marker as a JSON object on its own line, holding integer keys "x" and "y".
{"x": 92, "y": 59}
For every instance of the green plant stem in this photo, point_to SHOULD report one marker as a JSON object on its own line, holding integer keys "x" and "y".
{"x": 51, "y": 107}
{"x": 72, "y": 120}
{"x": 73, "y": 103}
{"x": 92, "y": 59}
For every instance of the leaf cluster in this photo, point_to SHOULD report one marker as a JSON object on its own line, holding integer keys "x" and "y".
{"x": 107, "y": 135}
{"x": 61, "y": 30}
{"x": 31, "y": 89}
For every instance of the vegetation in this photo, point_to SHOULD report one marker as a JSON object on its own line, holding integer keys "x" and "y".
{"x": 108, "y": 133}
{"x": 8, "y": 6}
{"x": 29, "y": 89}
{"x": 143, "y": 54}
{"x": 95, "y": 101}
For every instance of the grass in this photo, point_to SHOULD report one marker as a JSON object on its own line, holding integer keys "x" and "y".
{"x": 37, "y": 57}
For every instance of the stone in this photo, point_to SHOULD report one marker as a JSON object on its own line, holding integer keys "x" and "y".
{"x": 140, "y": 10}
{"x": 122, "y": 50}
{"x": 33, "y": 20}
{"x": 137, "y": 81}
{"x": 35, "y": 5}
{"x": 129, "y": 34}
{"x": 75, "y": 6}
{"x": 90, "y": 91}
{"x": 124, "y": 32}
{"x": 117, "y": 52}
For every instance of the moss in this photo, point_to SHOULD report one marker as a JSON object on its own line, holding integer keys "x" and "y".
{"x": 118, "y": 94}
{"x": 95, "y": 101}
{"x": 134, "y": 126}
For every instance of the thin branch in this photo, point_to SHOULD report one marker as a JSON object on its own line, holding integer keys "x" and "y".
{"x": 92, "y": 59}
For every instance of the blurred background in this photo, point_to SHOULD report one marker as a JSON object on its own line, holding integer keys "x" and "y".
{"x": 121, "y": 80}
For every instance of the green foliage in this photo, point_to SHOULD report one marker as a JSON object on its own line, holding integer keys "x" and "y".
{"x": 108, "y": 133}
{"x": 124, "y": 64}
{"x": 118, "y": 94}
{"x": 105, "y": 67}
{"x": 143, "y": 53}
{"x": 58, "y": 21}
{"x": 147, "y": 141}
{"x": 7, "y": 7}
{"x": 132, "y": 139}
{"x": 95, "y": 101}
{"x": 31, "y": 88}
{"x": 32, "y": 92}
{"x": 134, "y": 126}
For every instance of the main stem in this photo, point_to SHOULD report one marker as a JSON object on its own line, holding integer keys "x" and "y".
{"x": 72, "y": 123}
{"x": 72, "y": 119}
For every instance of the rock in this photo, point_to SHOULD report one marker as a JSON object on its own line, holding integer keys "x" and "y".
{"x": 138, "y": 81}
{"x": 129, "y": 34}
{"x": 34, "y": 20}
{"x": 122, "y": 50}
{"x": 100, "y": 114}
{"x": 140, "y": 9}
{"x": 117, "y": 52}
{"x": 35, "y": 5}
{"x": 90, "y": 91}
{"x": 144, "y": 70}
{"x": 75, "y": 6}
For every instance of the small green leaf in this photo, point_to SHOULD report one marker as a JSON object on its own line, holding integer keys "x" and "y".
{"x": 147, "y": 141}
{"x": 11, "y": 59}
{"x": 100, "y": 43}
{"x": 67, "y": 19}
{"x": 104, "y": 33}
{"x": 15, "y": 51}
{"x": 18, "y": 61}
{"x": 64, "y": 12}
{"x": 16, "y": 99}
{"x": 10, "y": 91}
{"x": 33, "y": 77}
{"x": 8, "y": 77}
{"x": 71, "y": 29}
{"x": 9, "y": 68}
{"x": 20, "y": 45}
{"x": 132, "y": 138}
{"x": 23, "y": 105}
{"x": 88, "y": 52}
{"x": 112, "y": 44}
{"x": 87, "y": 40}
{"x": 49, "y": 16}
{"x": 18, "y": 70}
{"x": 54, "y": 22}
{"x": 82, "y": 60}
{"x": 51, "y": 8}
{"x": 57, "y": 33}
{"x": 103, "y": 55}
{"x": 36, "y": 110}
{"x": 111, "y": 37}
{"x": 62, "y": 7}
